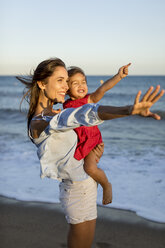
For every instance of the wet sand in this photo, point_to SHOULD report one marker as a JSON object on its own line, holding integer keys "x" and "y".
{"x": 43, "y": 225}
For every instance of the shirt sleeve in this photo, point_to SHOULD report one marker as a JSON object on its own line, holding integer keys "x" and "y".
{"x": 71, "y": 118}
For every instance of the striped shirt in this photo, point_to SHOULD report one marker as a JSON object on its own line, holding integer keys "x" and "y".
{"x": 57, "y": 143}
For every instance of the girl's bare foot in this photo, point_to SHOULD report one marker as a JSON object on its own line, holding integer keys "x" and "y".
{"x": 107, "y": 194}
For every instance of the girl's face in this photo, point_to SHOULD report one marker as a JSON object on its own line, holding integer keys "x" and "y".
{"x": 77, "y": 86}
{"x": 57, "y": 85}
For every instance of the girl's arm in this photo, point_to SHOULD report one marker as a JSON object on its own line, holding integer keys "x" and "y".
{"x": 107, "y": 85}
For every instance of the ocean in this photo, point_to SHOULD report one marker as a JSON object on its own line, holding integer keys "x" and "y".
{"x": 133, "y": 160}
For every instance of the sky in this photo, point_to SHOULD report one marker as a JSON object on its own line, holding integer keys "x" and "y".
{"x": 99, "y": 36}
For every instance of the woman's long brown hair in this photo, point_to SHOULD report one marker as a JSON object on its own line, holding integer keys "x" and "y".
{"x": 44, "y": 70}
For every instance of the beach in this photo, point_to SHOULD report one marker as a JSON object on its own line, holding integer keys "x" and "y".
{"x": 34, "y": 224}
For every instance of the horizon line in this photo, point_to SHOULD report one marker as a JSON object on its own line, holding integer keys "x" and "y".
{"x": 99, "y": 75}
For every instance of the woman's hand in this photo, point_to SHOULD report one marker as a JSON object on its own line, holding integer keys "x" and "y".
{"x": 50, "y": 112}
{"x": 98, "y": 150}
{"x": 143, "y": 107}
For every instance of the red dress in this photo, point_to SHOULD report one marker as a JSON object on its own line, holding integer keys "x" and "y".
{"x": 88, "y": 137}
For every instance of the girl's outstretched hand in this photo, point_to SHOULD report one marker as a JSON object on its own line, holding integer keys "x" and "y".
{"x": 142, "y": 107}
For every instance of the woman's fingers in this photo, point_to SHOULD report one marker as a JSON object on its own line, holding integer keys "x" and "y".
{"x": 151, "y": 96}
{"x": 101, "y": 145}
{"x": 56, "y": 111}
{"x": 99, "y": 149}
{"x": 147, "y": 94}
{"x": 137, "y": 97}
{"x": 158, "y": 96}
{"x": 155, "y": 116}
{"x": 141, "y": 107}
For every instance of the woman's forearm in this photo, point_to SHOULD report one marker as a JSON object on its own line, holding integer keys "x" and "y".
{"x": 110, "y": 112}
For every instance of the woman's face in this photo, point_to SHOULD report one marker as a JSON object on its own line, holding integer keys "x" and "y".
{"x": 57, "y": 86}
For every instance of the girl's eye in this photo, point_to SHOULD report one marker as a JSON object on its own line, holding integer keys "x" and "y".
{"x": 74, "y": 83}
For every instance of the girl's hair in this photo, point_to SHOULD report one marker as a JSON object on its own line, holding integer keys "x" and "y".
{"x": 44, "y": 70}
{"x": 72, "y": 70}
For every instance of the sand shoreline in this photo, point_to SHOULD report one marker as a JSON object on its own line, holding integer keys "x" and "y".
{"x": 38, "y": 224}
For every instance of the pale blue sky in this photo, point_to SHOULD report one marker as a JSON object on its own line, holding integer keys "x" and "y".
{"x": 97, "y": 35}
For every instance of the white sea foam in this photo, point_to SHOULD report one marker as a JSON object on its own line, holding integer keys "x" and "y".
{"x": 137, "y": 185}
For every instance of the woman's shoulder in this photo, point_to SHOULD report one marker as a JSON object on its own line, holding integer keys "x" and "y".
{"x": 40, "y": 121}
{"x": 37, "y": 127}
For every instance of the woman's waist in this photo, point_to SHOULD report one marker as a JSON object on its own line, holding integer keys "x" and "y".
{"x": 70, "y": 183}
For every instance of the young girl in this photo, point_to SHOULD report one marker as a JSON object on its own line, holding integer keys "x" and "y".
{"x": 89, "y": 137}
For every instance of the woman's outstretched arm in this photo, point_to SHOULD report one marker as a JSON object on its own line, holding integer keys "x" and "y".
{"x": 140, "y": 107}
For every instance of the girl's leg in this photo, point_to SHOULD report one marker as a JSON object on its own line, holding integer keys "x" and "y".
{"x": 81, "y": 235}
{"x": 90, "y": 167}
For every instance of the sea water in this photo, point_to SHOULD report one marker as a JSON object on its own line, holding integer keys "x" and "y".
{"x": 133, "y": 160}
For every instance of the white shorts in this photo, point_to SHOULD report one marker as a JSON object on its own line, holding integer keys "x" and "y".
{"x": 78, "y": 200}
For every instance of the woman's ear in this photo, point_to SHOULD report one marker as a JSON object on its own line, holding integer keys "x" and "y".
{"x": 41, "y": 85}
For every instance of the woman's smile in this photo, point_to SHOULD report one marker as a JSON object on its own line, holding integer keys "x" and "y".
{"x": 62, "y": 95}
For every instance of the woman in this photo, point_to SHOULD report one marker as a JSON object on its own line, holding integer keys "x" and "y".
{"x": 56, "y": 141}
